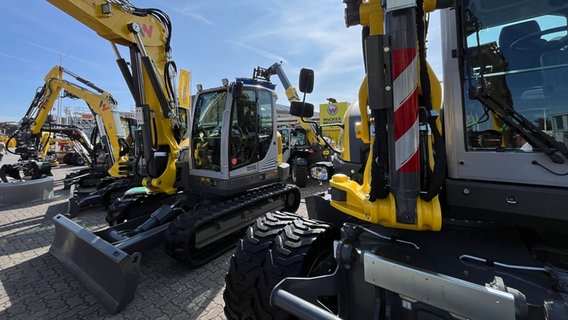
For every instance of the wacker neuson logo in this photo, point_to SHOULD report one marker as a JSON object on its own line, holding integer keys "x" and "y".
{"x": 332, "y": 109}
{"x": 332, "y": 113}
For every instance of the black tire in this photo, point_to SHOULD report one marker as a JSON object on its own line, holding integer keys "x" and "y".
{"x": 33, "y": 170}
{"x": 79, "y": 161}
{"x": 300, "y": 175}
{"x": 299, "y": 248}
{"x": 4, "y": 172}
{"x": 67, "y": 158}
{"x": 241, "y": 281}
{"x": 292, "y": 202}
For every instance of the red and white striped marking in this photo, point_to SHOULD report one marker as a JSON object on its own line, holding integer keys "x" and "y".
{"x": 405, "y": 98}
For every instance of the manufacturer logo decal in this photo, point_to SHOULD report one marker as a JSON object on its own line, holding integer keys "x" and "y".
{"x": 332, "y": 109}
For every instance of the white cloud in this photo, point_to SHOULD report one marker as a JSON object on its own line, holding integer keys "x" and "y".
{"x": 191, "y": 11}
{"x": 263, "y": 53}
{"x": 21, "y": 59}
{"x": 312, "y": 35}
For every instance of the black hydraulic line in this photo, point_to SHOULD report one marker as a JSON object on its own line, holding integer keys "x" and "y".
{"x": 432, "y": 179}
{"x": 170, "y": 86}
{"x": 82, "y": 80}
{"x": 35, "y": 102}
{"x": 365, "y": 32}
{"x": 160, "y": 95}
{"x": 136, "y": 80}
{"x": 123, "y": 66}
{"x": 424, "y": 149}
{"x": 426, "y": 98}
{"x": 138, "y": 85}
{"x": 379, "y": 166}
{"x": 380, "y": 102}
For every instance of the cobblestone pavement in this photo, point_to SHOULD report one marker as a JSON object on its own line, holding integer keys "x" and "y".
{"x": 33, "y": 285}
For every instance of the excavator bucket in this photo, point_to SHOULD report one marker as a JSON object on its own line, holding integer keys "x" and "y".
{"x": 106, "y": 271}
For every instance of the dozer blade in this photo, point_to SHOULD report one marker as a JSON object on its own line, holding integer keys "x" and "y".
{"x": 109, "y": 273}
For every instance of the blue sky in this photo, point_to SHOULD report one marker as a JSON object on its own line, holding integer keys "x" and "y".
{"x": 213, "y": 39}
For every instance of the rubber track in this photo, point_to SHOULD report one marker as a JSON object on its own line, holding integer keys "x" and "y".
{"x": 241, "y": 281}
{"x": 179, "y": 235}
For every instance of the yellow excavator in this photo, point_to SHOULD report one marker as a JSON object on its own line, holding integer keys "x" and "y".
{"x": 105, "y": 110}
{"x": 29, "y": 140}
{"x": 308, "y": 154}
{"x": 200, "y": 190}
{"x": 461, "y": 213}
{"x": 108, "y": 142}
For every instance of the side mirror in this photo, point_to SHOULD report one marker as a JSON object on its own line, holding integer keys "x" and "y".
{"x": 301, "y": 109}
{"x": 237, "y": 89}
{"x": 306, "y": 80}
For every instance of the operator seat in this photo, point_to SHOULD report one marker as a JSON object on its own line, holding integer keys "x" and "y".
{"x": 521, "y": 58}
{"x": 555, "y": 76}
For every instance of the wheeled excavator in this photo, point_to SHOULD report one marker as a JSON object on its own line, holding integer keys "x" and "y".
{"x": 199, "y": 191}
{"x": 456, "y": 216}
{"x": 311, "y": 151}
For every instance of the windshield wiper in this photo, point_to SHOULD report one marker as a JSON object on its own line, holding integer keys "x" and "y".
{"x": 527, "y": 129}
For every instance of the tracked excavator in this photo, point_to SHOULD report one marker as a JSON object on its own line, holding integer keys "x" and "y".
{"x": 199, "y": 192}
{"x": 461, "y": 213}
{"x": 107, "y": 142}
{"x": 28, "y": 136}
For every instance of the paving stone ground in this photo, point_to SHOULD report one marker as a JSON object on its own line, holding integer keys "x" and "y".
{"x": 33, "y": 285}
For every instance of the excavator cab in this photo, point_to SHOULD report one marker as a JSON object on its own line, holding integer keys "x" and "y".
{"x": 513, "y": 97}
{"x": 233, "y": 143}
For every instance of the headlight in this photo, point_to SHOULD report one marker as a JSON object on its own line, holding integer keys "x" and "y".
{"x": 319, "y": 173}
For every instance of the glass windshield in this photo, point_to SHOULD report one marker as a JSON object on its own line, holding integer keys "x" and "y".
{"x": 515, "y": 74}
{"x": 244, "y": 132}
{"x": 298, "y": 139}
{"x": 207, "y": 130}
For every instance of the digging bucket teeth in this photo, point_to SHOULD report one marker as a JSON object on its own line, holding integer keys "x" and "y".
{"x": 109, "y": 273}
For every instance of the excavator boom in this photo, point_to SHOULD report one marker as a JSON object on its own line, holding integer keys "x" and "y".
{"x": 149, "y": 75}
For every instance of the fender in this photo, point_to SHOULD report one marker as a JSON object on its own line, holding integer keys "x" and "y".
{"x": 328, "y": 164}
{"x": 298, "y": 161}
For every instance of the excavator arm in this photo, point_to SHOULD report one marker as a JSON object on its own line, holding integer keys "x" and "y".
{"x": 149, "y": 75}
{"x": 292, "y": 95}
{"x": 29, "y": 140}
{"x": 43, "y": 103}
